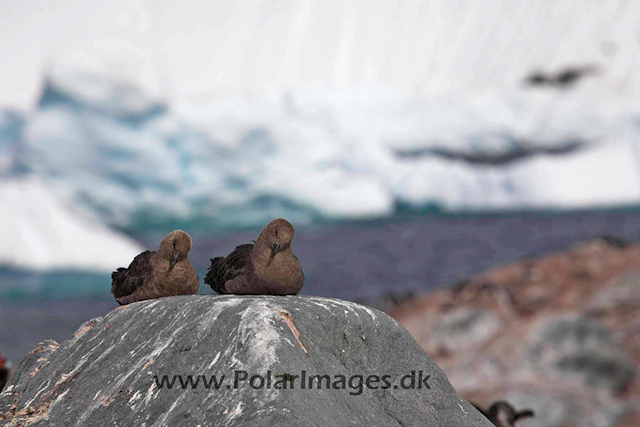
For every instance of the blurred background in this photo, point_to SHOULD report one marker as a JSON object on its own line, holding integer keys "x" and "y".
{"x": 413, "y": 144}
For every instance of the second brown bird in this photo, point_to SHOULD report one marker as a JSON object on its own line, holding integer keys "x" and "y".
{"x": 266, "y": 267}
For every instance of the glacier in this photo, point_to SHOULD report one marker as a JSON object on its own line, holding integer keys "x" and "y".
{"x": 134, "y": 161}
{"x": 11, "y": 127}
{"x": 159, "y": 117}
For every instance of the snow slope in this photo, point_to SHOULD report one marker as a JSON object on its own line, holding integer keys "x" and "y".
{"x": 199, "y": 49}
{"x": 39, "y": 233}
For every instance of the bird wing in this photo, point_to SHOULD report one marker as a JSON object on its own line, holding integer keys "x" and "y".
{"x": 301, "y": 271}
{"x": 124, "y": 281}
{"x": 224, "y": 269}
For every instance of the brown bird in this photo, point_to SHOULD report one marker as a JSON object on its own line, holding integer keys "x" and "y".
{"x": 266, "y": 267}
{"x": 502, "y": 414}
{"x": 154, "y": 274}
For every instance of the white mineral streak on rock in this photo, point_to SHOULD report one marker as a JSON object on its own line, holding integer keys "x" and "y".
{"x": 258, "y": 331}
{"x": 136, "y": 368}
{"x": 150, "y": 394}
{"x": 58, "y": 399}
{"x": 43, "y": 388}
{"x": 465, "y": 412}
{"x": 349, "y": 305}
{"x": 209, "y": 320}
{"x": 319, "y": 304}
{"x": 7, "y": 391}
{"x": 213, "y": 362}
{"x": 137, "y": 395}
{"x": 161, "y": 421}
{"x": 257, "y": 328}
{"x": 237, "y": 411}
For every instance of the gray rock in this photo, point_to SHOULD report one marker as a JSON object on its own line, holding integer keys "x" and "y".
{"x": 578, "y": 348}
{"x": 623, "y": 295}
{"x": 464, "y": 327}
{"x": 106, "y": 374}
{"x": 554, "y": 409}
{"x": 551, "y": 410}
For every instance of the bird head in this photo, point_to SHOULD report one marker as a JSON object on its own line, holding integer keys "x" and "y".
{"x": 504, "y": 414}
{"x": 175, "y": 247}
{"x": 277, "y": 235}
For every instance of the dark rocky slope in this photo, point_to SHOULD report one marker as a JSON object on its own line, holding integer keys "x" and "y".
{"x": 559, "y": 334}
{"x": 104, "y": 375}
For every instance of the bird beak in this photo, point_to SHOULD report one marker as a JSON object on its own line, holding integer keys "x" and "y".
{"x": 174, "y": 259}
{"x": 527, "y": 413}
{"x": 275, "y": 247}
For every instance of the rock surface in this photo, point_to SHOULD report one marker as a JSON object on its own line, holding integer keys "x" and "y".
{"x": 106, "y": 373}
{"x": 560, "y": 335}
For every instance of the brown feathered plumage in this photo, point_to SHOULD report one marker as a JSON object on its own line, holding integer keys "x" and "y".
{"x": 224, "y": 269}
{"x": 502, "y": 414}
{"x": 155, "y": 274}
{"x": 266, "y": 267}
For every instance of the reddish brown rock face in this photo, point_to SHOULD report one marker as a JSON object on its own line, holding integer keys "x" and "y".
{"x": 560, "y": 335}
